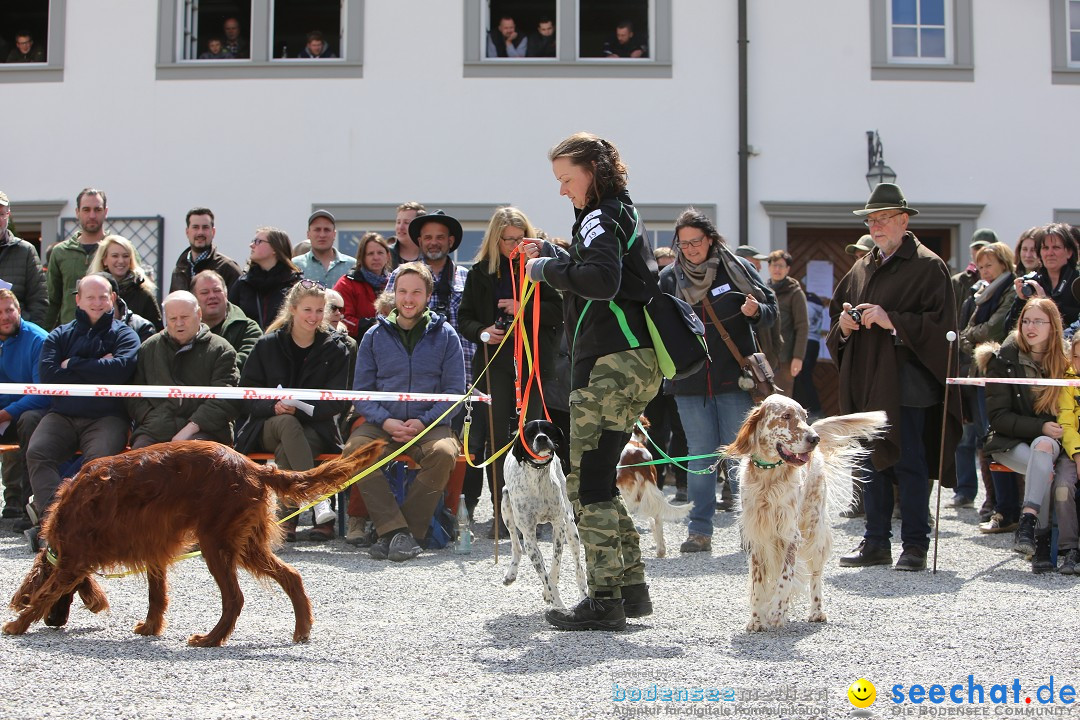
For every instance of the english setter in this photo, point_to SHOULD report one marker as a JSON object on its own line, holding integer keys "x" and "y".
{"x": 794, "y": 476}
{"x": 637, "y": 486}
{"x": 535, "y": 493}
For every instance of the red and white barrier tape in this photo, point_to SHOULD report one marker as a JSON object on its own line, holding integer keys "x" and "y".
{"x": 981, "y": 381}
{"x": 201, "y": 392}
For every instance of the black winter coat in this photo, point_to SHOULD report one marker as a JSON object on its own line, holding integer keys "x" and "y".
{"x": 260, "y": 293}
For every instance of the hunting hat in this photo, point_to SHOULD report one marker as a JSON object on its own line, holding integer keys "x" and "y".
{"x": 886, "y": 196}
{"x": 982, "y": 237}
{"x": 865, "y": 243}
{"x": 4, "y": 199}
{"x": 438, "y": 217}
{"x": 749, "y": 251}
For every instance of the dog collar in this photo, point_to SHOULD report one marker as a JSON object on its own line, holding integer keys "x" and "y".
{"x": 529, "y": 461}
{"x": 50, "y": 555}
{"x": 758, "y": 462}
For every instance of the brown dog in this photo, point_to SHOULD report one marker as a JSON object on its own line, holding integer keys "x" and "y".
{"x": 144, "y": 507}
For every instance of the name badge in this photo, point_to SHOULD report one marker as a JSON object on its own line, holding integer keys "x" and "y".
{"x": 721, "y": 289}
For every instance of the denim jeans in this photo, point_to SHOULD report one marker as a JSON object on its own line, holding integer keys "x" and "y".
{"x": 709, "y": 423}
{"x": 912, "y": 477}
{"x": 967, "y": 481}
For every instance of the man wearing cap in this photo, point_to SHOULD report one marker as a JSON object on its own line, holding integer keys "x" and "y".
{"x": 70, "y": 259}
{"x": 752, "y": 254}
{"x": 20, "y": 268}
{"x": 864, "y": 245}
{"x": 201, "y": 253}
{"x": 324, "y": 263}
{"x": 893, "y": 355}
{"x": 438, "y": 235}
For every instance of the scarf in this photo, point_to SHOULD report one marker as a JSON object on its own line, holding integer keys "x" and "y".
{"x": 992, "y": 291}
{"x": 376, "y": 281}
{"x": 696, "y": 279}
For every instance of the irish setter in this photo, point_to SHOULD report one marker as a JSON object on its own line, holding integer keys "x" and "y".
{"x": 144, "y": 507}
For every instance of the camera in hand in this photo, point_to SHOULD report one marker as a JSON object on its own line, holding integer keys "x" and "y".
{"x": 856, "y": 315}
{"x": 504, "y": 321}
{"x": 1028, "y": 288}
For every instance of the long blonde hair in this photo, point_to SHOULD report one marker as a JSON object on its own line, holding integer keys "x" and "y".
{"x": 302, "y": 289}
{"x": 1055, "y": 361}
{"x": 98, "y": 263}
{"x": 503, "y": 218}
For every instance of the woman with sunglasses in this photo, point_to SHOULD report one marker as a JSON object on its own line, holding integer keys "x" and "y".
{"x": 711, "y": 403}
{"x": 362, "y": 285}
{"x": 299, "y": 350}
{"x": 270, "y": 274}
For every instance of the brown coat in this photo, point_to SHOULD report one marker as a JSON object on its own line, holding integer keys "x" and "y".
{"x": 914, "y": 288}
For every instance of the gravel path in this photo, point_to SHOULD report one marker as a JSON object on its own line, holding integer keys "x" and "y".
{"x": 441, "y": 637}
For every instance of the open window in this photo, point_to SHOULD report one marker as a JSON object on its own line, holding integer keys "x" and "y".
{"x": 32, "y": 41}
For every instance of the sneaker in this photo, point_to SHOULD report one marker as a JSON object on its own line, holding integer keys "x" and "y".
{"x": 403, "y": 546}
{"x": 357, "y": 532}
{"x": 1070, "y": 559}
{"x": 866, "y": 555}
{"x": 961, "y": 501}
{"x": 696, "y": 543}
{"x": 636, "y": 600}
{"x": 590, "y": 614}
{"x": 1024, "y": 543}
{"x": 997, "y": 524}
{"x": 323, "y": 513}
{"x": 911, "y": 559}
{"x": 380, "y": 549}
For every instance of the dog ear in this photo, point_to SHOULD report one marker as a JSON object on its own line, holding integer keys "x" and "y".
{"x": 557, "y": 436}
{"x": 744, "y": 441}
{"x": 518, "y": 448}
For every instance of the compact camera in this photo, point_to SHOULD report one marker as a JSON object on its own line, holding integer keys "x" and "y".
{"x": 503, "y": 322}
{"x": 856, "y": 315}
{"x": 1027, "y": 289}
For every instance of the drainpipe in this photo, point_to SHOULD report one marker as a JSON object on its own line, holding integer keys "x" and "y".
{"x": 744, "y": 132}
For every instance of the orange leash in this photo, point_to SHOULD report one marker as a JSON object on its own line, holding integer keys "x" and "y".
{"x": 520, "y": 350}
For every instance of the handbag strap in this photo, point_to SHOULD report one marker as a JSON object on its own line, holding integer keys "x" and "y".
{"x": 723, "y": 332}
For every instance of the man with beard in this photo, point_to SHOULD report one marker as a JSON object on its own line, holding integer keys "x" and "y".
{"x": 438, "y": 235}
{"x": 404, "y": 249}
{"x": 70, "y": 259}
{"x": 202, "y": 255}
{"x": 234, "y": 44}
{"x": 20, "y": 266}
{"x": 222, "y": 317}
{"x": 20, "y": 355}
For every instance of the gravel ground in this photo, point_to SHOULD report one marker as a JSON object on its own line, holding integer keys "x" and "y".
{"x": 441, "y": 637}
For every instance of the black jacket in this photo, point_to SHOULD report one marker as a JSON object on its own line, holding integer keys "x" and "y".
{"x": 260, "y": 293}
{"x": 225, "y": 266}
{"x": 1010, "y": 408}
{"x": 271, "y": 363}
{"x": 1062, "y": 295}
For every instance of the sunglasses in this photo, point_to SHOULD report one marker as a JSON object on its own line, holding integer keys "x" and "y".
{"x": 337, "y": 308}
{"x": 309, "y": 284}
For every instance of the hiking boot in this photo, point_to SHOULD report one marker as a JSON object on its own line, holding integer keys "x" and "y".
{"x": 696, "y": 543}
{"x": 1024, "y": 542}
{"x": 357, "y": 532}
{"x": 403, "y": 546}
{"x": 1040, "y": 561}
{"x": 1070, "y": 560}
{"x": 289, "y": 526}
{"x": 961, "y": 501}
{"x": 590, "y": 614}
{"x": 911, "y": 559}
{"x": 997, "y": 524}
{"x": 636, "y": 600}
{"x": 866, "y": 555}
{"x": 11, "y": 512}
{"x": 380, "y": 549}
{"x": 318, "y": 533}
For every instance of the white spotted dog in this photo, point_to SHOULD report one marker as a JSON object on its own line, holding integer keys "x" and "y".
{"x": 793, "y": 477}
{"x": 535, "y": 493}
{"x": 637, "y": 487}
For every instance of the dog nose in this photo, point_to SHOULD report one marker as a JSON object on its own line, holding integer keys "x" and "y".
{"x": 813, "y": 439}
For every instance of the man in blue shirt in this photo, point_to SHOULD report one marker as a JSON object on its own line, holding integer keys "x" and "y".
{"x": 324, "y": 263}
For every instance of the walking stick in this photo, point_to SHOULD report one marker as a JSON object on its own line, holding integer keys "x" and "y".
{"x": 493, "y": 448}
{"x": 951, "y": 337}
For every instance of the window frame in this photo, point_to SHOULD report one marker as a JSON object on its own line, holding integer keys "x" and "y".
{"x": 1063, "y": 70}
{"x": 262, "y": 63}
{"x": 52, "y": 70}
{"x": 567, "y": 64}
{"x": 960, "y": 38}
{"x": 949, "y": 23}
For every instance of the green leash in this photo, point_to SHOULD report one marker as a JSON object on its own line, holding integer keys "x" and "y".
{"x": 669, "y": 459}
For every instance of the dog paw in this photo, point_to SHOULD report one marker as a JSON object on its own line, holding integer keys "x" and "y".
{"x": 818, "y": 616}
{"x": 509, "y": 579}
{"x": 14, "y": 628}
{"x": 204, "y": 641}
{"x": 151, "y": 628}
{"x": 301, "y": 636}
{"x": 755, "y": 626}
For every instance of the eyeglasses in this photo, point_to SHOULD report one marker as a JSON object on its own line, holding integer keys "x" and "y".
{"x": 258, "y": 241}
{"x": 337, "y": 308}
{"x": 871, "y": 222}
{"x": 309, "y": 284}
{"x": 1031, "y": 322}
{"x": 690, "y": 243}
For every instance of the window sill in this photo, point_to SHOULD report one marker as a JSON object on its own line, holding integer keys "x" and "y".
{"x": 30, "y": 72}
{"x": 583, "y": 68}
{"x": 1065, "y": 76}
{"x": 925, "y": 73}
{"x": 248, "y": 69}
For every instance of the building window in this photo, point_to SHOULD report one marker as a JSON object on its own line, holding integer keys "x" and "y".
{"x": 921, "y": 40}
{"x": 203, "y": 39}
{"x": 568, "y": 38}
{"x": 919, "y": 31}
{"x": 1065, "y": 42}
{"x": 1074, "y": 33}
{"x": 32, "y": 41}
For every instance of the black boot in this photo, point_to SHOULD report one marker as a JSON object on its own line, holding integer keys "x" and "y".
{"x": 1024, "y": 542}
{"x": 636, "y": 600}
{"x": 1040, "y": 561}
{"x": 590, "y": 614}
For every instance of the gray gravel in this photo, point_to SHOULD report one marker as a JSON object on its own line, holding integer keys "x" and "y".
{"x": 441, "y": 637}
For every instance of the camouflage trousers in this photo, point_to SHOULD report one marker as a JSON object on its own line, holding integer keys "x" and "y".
{"x": 601, "y": 416}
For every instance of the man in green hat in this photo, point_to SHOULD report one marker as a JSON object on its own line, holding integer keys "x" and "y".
{"x": 890, "y": 315}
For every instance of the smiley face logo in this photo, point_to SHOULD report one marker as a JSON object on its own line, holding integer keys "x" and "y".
{"x": 862, "y": 693}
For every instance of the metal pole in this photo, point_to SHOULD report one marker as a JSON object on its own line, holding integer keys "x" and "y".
{"x": 744, "y": 131}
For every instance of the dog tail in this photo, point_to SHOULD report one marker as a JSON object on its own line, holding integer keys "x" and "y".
{"x": 845, "y": 443}
{"x": 298, "y": 486}
{"x": 655, "y": 504}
